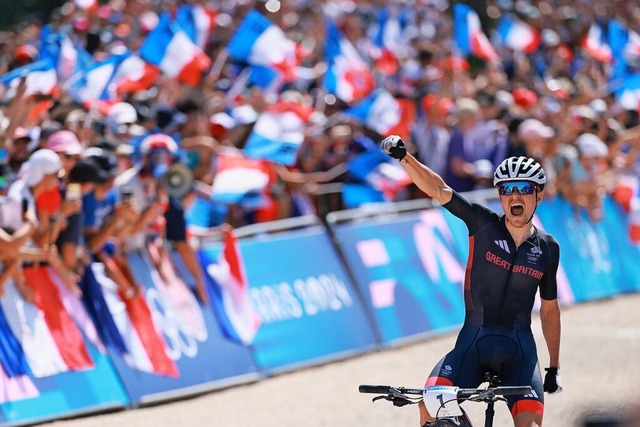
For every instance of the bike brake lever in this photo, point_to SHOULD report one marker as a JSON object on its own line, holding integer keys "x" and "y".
{"x": 380, "y": 397}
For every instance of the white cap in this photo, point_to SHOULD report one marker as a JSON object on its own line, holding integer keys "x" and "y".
{"x": 583, "y": 111}
{"x": 122, "y": 113}
{"x": 122, "y": 118}
{"x": 41, "y": 163}
{"x": 589, "y": 145}
{"x": 534, "y": 128}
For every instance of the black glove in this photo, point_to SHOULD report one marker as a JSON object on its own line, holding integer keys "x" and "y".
{"x": 394, "y": 146}
{"x": 552, "y": 381}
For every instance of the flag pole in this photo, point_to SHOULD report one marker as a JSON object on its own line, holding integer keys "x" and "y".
{"x": 238, "y": 85}
{"x": 221, "y": 59}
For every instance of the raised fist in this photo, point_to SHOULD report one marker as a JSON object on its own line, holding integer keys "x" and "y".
{"x": 394, "y": 146}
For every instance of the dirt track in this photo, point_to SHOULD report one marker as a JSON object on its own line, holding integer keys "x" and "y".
{"x": 600, "y": 370}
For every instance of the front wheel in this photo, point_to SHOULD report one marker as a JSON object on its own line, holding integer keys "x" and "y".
{"x": 461, "y": 421}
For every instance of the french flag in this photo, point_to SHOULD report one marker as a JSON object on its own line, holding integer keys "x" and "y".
{"x": 92, "y": 83}
{"x": 146, "y": 350}
{"x": 67, "y": 57}
{"x": 595, "y": 45}
{"x": 259, "y": 42}
{"x": 379, "y": 172}
{"x": 625, "y": 47}
{"x": 387, "y": 40}
{"x": 348, "y": 76}
{"x": 240, "y": 180}
{"x": 41, "y": 78}
{"x": 279, "y": 133}
{"x": 133, "y": 75}
{"x": 468, "y": 35}
{"x": 169, "y": 48}
{"x": 518, "y": 35}
{"x": 229, "y": 291}
{"x": 384, "y": 114}
{"x": 198, "y": 22}
{"x": 109, "y": 79}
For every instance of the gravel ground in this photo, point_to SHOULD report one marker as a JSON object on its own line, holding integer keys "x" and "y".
{"x": 600, "y": 370}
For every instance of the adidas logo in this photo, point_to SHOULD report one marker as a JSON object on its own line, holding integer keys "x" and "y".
{"x": 504, "y": 245}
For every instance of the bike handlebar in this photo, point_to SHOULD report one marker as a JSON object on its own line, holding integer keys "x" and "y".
{"x": 463, "y": 393}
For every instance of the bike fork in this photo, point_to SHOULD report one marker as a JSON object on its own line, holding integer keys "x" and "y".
{"x": 488, "y": 415}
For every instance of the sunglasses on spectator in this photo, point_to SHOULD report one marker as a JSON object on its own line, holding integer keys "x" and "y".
{"x": 523, "y": 188}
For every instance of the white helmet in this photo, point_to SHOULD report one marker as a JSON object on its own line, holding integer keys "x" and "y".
{"x": 519, "y": 169}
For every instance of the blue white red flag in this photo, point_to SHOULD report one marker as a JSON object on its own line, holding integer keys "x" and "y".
{"x": 518, "y": 35}
{"x": 41, "y": 78}
{"x": 595, "y": 44}
{"x": 229, "y": 291}
{"x": 348, "y": 76}
{"x": 388, "y": 41}
{"x": 67, "y": 57}
{"x": 384, "y": 114}
{"x": 198, "y": 22}
{"x": 111, "y": 78}
{"x": 146, "y": 350}
{"x": 625, "y": 47}
{"x": 380, "y": 172}
{"x": 468, "y": 35}
{"x": 240, "y": 180}
{"x": 278, "y": 133}
{"x": 169, "y": 48}
{"x": 257, "y": 41}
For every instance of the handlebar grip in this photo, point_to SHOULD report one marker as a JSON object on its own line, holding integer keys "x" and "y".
{"x": 512, "y": 390}
{"x": 375, "y": 389}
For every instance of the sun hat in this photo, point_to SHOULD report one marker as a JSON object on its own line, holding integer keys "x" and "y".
{"x": 64, "y": 141}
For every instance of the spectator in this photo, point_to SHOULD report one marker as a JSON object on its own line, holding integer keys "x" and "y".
{"x": 469, "y": 142}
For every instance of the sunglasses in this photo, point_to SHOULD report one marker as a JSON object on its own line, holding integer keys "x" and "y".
{"x": 523, "y": 187}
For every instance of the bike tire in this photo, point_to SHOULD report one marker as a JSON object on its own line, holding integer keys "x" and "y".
{"x": 462, "y": 421}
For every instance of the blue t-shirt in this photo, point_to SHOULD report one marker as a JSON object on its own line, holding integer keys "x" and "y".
{"x": 97, "y": 211}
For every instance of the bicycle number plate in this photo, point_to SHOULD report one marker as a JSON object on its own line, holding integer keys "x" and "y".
{"x": 441, "y": 401}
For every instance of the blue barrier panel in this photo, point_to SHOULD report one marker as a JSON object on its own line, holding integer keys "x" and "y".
{"x": 58, "y": 390}
{"x": 584, "y": 249}
{"x": 308, "y": 310}
{"x": 624, "y": 254}
{"x": 69, "y": 394}
{"x": 203, "y": 359}
{"x": 410, "y": 269}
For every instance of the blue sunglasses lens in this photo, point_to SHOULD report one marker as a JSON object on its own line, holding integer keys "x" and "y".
{"x": 523, "y": 188}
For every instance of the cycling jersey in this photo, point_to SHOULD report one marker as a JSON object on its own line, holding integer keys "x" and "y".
{"x": 501, "y": 282}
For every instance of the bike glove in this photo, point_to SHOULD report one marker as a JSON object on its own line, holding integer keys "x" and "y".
{"x": 552, "y": 381}
{"x": 394, "y": 146}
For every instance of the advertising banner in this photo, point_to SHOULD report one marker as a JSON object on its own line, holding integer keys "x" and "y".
{"x": 174, "y": 344}
{"x": 288, "y": 298}
{"x": 53, "y": 363}
{"x": 624, "y": 253}
{"x": 410, "y": 269}
{"x": 585, "y": 250}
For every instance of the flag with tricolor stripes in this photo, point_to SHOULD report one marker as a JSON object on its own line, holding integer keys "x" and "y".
{"x": 229, "y": 292}
{"x": 169, "y": 48}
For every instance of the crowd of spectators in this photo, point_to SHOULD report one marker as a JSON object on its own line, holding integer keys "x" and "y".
{"x": 81, "y": 182}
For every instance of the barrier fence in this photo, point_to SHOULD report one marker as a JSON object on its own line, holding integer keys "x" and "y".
{"x": 307, "y": 293}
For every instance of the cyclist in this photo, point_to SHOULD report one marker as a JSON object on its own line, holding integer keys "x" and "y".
{"x": 509, "y": 261}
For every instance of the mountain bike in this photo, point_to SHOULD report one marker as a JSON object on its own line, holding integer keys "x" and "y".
{"x": 443, "y": 402}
